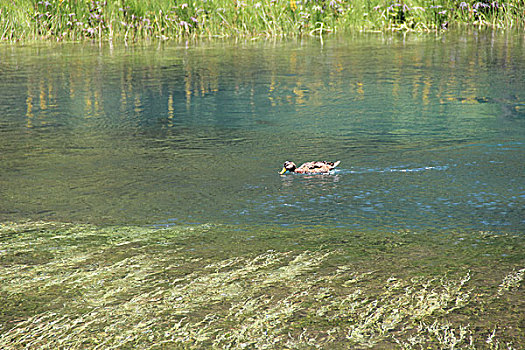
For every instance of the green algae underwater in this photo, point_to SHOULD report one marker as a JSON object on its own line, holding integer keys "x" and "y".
{"x": 70, "y": 286}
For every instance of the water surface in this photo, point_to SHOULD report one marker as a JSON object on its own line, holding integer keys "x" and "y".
{"x": 141, "y": 205}
{"x": 430, "y": 132}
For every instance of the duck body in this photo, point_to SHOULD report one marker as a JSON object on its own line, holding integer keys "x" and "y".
{"x": 317, "y": 167}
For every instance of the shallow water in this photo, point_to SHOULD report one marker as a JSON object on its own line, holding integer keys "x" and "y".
{"x": 430, "y": 132}
{"x": 173, "y": 152}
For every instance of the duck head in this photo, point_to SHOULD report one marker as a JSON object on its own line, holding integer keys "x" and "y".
{"x": 288, "y": 166}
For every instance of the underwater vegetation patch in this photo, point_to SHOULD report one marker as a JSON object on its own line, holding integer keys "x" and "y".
{"x": 66, "y": 286}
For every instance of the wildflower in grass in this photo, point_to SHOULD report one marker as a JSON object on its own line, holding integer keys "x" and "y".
{"x": 480, "y": 4}
{"x": 393, "y": 6}
{"x": 463, "y": 5}
{"x": 293, "y": 5}
{"x": 185, "y": 24}
{"x": 257, "y": 5}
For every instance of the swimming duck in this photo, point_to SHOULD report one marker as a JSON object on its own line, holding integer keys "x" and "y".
{"x": 309, "y": 167}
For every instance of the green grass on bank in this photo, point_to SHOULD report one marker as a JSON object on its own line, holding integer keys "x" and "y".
{"x": 166, "y": 19}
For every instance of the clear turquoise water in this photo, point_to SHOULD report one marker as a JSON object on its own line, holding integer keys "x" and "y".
{"x": 430, "y": 132}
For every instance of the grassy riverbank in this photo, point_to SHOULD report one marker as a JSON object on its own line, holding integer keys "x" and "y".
{"x": 65, "y": 286}
{"x": 133, "y": 20}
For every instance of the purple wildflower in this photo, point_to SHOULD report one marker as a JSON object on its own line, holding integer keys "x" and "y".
{"x": 184, "y": 24}
{"x": 391, "y": 8}
{"x": 479, "y": 4}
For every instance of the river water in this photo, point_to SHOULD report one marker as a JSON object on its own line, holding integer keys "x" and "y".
{"x": 141, "y": 204}
{"x": 430, "y": 132}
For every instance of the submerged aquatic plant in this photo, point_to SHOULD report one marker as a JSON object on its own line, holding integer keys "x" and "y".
{"x": 79, "y": 286}
{"x": 511, "y": 281}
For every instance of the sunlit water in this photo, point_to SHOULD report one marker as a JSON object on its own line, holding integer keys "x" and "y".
{"x": 430, "y": 132}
